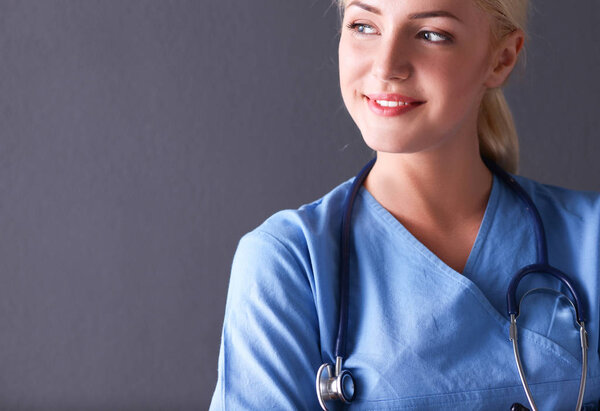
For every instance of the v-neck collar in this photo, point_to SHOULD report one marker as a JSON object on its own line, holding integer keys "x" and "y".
{"x": 408, "y": 237}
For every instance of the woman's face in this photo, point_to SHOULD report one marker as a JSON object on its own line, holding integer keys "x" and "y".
{"x": 413, "y": 72}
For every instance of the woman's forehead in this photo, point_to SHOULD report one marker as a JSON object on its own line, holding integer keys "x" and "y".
{"x": 462, "y": 10}
{"x": 465, "y": 13}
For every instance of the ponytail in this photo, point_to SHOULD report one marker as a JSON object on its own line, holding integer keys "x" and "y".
{"x": 498, "y": 140}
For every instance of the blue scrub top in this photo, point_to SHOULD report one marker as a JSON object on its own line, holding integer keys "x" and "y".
{"x": 420, "y": 335}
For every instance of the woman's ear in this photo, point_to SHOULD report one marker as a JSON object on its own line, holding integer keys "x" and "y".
{"x": 505, "y": 57}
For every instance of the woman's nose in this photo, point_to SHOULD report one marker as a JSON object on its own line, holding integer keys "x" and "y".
{"x": 391, "y": 61}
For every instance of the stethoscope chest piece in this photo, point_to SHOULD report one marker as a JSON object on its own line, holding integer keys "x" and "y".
{"x": 334, "y": 385}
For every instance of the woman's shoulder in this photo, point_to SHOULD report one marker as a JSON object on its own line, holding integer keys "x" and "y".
{"x": 283, "y": 255}
{"x": 295, "y": 227}
{"x": 582, "y": 204}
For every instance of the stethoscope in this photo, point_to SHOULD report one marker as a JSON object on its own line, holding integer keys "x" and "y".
{"x": 339, "y": 384}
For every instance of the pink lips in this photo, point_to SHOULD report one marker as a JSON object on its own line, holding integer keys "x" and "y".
{"x": 391, "y": 111}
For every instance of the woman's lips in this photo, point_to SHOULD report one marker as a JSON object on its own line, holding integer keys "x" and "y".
{"x": 389, "y": 105}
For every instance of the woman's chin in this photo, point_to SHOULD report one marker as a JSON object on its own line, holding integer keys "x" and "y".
{"x": 393, "y": 143}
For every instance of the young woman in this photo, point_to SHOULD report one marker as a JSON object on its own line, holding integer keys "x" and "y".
{"x": 434, "y": 236}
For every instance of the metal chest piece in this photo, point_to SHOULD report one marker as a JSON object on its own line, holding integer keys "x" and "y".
{"x": 338, "y": 385}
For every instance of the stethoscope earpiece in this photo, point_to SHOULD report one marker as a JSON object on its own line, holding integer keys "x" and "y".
{"x": 338, "y": 385}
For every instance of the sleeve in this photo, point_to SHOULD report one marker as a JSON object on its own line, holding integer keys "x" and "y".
{"x": 270, "y": 343}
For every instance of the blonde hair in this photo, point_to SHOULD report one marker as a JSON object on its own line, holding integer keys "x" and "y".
{"x": 498, "y": 139}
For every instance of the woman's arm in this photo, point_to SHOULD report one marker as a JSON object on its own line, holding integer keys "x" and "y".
{"x": 270, "y": 342}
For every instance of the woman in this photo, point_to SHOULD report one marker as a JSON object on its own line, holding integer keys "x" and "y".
{"x": 435, "y": 237}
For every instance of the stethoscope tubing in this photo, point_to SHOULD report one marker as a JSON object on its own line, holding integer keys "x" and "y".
{"x": 511, "y": 294}
{"x": 340, "y": 341}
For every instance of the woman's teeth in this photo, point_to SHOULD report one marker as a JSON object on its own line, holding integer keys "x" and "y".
{"x": 387, "y": 103}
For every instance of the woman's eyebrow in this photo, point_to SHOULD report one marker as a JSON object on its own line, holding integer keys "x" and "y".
{"x": 434, "y": 13}
{"x": 364, "y": 6}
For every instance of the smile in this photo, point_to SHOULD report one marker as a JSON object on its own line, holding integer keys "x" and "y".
{"x": 391, "y": 106}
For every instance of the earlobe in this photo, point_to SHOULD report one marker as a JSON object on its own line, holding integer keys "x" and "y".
{"x": 505, "y": 58}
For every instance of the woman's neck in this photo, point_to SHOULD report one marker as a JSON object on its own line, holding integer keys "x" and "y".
{"x": 438, "y": 188}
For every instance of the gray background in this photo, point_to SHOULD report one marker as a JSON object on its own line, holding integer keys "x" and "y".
{"x": 141, "y": 139}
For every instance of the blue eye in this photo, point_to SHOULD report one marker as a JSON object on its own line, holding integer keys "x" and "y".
{"x": 433, "y": 37}
{"x": 361, "y": 28}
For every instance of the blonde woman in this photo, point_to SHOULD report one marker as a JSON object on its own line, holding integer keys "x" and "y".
{"x": 408, "y": 308}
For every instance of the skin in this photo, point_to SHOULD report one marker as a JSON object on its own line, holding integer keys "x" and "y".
{"x": 428, "y": 174}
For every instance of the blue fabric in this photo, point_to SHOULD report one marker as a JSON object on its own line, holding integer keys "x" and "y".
{"x": 420, "y": 335}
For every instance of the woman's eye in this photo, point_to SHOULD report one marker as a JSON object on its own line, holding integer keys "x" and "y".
{"x": 434, "y": 37}
{"x": 361, "y": 28}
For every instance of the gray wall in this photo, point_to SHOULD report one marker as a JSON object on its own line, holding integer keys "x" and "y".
{"x": 140, "y": 140}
